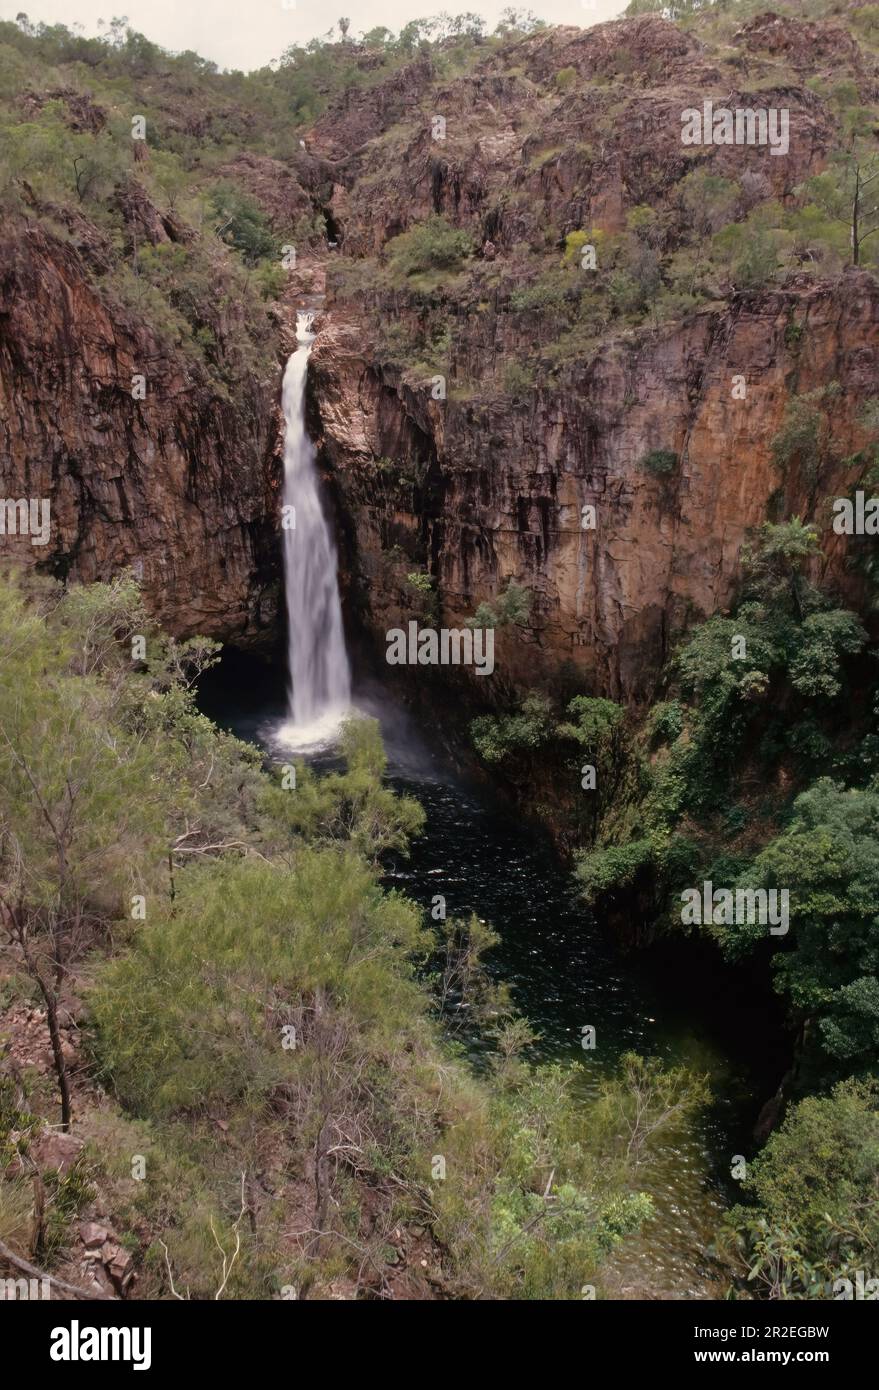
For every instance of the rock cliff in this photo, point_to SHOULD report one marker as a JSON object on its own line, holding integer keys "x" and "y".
{"x": 180, "y": 485}
{"x": 489, "y": 484}
{"x": 488, "y": 491}
{"x": 553, "y": 398}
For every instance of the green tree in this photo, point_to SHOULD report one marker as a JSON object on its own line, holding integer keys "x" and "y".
{"x": 497, "y": 736}
{"x": 80, "y": 818}
{"x": 645, "y": 1098}
{"x": 827, "y": 858}
{"x": 354, "y": 806}
{"x": 848, "y": 193}
{"x": 512, "y": 607}
{"x": 814, "y": 1189}
{"x": 241, "y": 223}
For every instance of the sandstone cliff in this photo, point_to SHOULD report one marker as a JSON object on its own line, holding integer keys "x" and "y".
{"x": 487, "y": 492}
{"x": 180, "y": 485}
{"x": 489, "y": 484}
{"x": 554, "y": 396}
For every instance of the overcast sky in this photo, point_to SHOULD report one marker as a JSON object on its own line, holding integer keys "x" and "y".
{"x": 249, "y": 33}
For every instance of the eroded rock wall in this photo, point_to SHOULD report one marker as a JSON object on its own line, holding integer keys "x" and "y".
{"x": 481, "y": 491}
{"x": 182, "y": 484}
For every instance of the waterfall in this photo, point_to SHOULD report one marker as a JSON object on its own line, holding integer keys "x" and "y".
{"x": 320, "y": 677}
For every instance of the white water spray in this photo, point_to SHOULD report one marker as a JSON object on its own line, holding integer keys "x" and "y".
{"x": 320, "y": 677}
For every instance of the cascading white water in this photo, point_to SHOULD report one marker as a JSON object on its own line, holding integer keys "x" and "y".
{"x": 320, "y": 676}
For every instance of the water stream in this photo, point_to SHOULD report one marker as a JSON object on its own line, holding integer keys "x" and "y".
{"x": 565, "y": 972}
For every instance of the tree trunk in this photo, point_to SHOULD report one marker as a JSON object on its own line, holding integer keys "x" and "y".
{"x": 38, "y": 1227}
{"x": 57, "y": 1052}
{"x": 50, "y": 998}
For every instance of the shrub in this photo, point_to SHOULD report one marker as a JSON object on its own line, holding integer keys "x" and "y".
{"x": 625, "y": 293}
{"x": 595, "y": 722}
{"x": 513, "y": 606}
{"x": 805, "y": 434}
{"x": 518, "y": 380}
{"x": 192, "y": 1017}
{"x": 709, "y": 200}
{"x": 815, "y": 1219}
{"x": 550, "y": 292}
{"x": 659, "y": 463}
{"x": 496, "y": 736}
{"x": 431, "y": 245}
{"x": 242, "y": 224}
{"x": 575, "y": 241}
{"x": 666, "y": 721}
{"x": 866, "y": 19}
{"x": 598, "y": 871}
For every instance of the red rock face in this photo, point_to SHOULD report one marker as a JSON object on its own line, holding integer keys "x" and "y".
{"x": 482, "y": 487}
{"x": 180, "y": 484}
{"x": 802, "y": 42}
{"x": 497, "y": 493}
{"x": 521, "y": 153}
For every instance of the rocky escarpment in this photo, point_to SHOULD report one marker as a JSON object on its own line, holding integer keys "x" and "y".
{"x": 486, "y": 492}
{"x": 571, "y": 128}
{"x": 489, "y": 484}
{"x": 551, "y": 401}
{"x": 180, "y": 484}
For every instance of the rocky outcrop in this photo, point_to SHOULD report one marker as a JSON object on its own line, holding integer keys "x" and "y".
{"x": 181, "y": 485}
{"x": 563, "y": 130}
{"x": 274, "y": 185}
{"x": 363, "y": 112}
{"x": 802, "y": 42}
{"x": 482, "y": 491}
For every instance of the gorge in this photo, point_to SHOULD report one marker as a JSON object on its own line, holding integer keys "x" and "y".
{"x": 444, "y": 346}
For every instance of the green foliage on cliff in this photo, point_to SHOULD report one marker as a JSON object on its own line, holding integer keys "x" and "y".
{"x": 150, "y": 217}
{"x": 594, "y": 725}
{"x": 242, "y": 224}
{"x": 763, "y": 689}
{"x": 512, "y": 607}
{"x": 496, "y": 736}
{"x": 660, "y": 463}
{"x": 827, "y": 858}
{"x": 724, "y": 783}
{"x": 806, "y": 433}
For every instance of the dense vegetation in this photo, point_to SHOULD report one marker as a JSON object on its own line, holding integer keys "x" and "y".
{"x": 277, "y": 1031}
{"x": 755, "y": 768}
